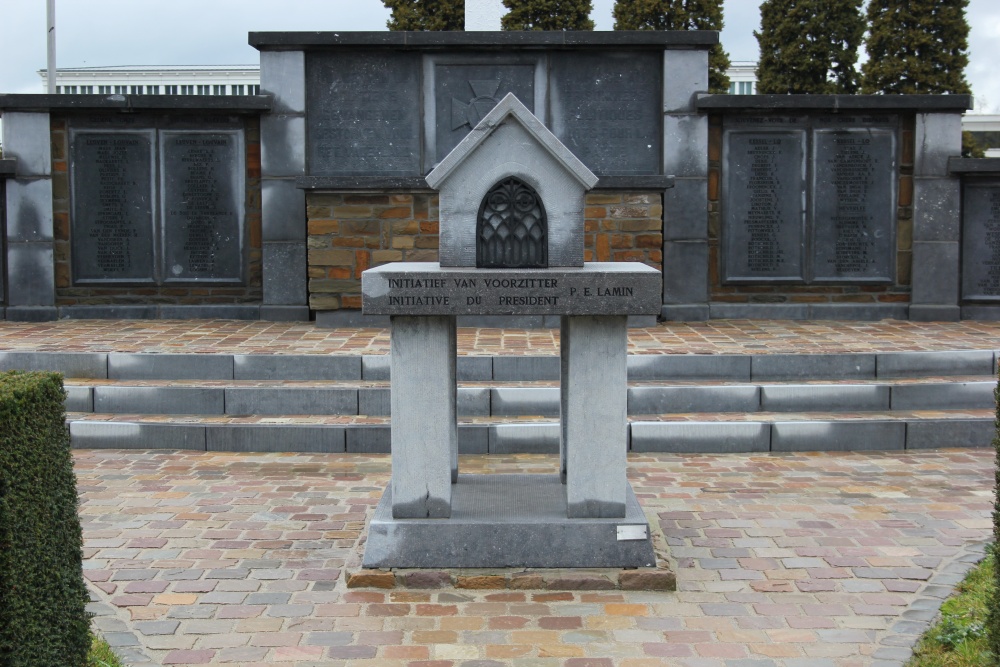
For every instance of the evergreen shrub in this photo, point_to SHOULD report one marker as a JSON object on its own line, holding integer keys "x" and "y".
{"x": 43, "y": 617}
{"x": 993, "y": 616}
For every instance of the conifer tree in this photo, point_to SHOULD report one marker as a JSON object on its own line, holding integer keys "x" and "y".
{"x": 679, "y": 15}
{"x": 916, "y": 46}
{"x": 547, "y": 15}
{"x": 809, "y": 46}
{"x": 426, "y": 14}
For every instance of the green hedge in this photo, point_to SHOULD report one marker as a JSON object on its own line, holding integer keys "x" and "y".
{"x": 993, "y": 619}
{"x": 43, "y": 620}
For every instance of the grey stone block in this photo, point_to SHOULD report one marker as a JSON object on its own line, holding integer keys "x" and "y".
{"x": 685, "y": 210}
{"x": 473, "y": 439}
{"x": 661, "y": 400}
{"x": 272, "y": 313}
{"x": 29, "y": 210}
{"x": 813, "y": 366}
{"x": 685, "y": 313}
{"x": 685, "y": 73}
{"x": 524, "y": 520}
{"x": 689, "y": 367}
{"x": 222, "y": 311}
{"x": 108, "y": 312}
{"x": 917, "y": 364}
{"x": 933, "y": 433}
{"x": 296, "y": 367}
{"x": 981, "y": 313}
{"x": 160, "y": 400}
{"x": 369, "y": 440}
{"x": 507, "y": 369}
{"x": 700, "y": 437}
{"x": 336, "y": 319}
{"x": 474, "y": 369}
{"x": 685, "y": 272}
{"x": 860, "y": 312}
{"x": 375, "y": 367}
{"x": 937, "y": 209}
{"x": 130, "y": 435}
{"x": 290, "y": 401}
{"x": 31, "y": 313}
{"x": 374, "y": 401}
{"x": 508, "y": 321}
{"x": 837, "y": 436}
{"x": 641, "y": 321}
{"x": 759, "y": 311}
{"x": 143, "y": 366}
{"x": 275, "y": 438}
{"x": 944, "y": 396}
{"x": 536, "y": 438}
{"x": 285, "y": 273}
{"x": 283, "y": 210}
{"x": 283, "y": 75}
{"x": 925, "y": 313}
{"x": 517, "y": 401}
{"x": 824, "y": 398}
{"x": 26, "y": 139}
{"x": 79, "y": 399}
{"x": 282, "y": 145}
{"x": 685, "y": 145}
{"x": 30, "y": 276}
{"x": 90, "y": 365}
{"x": 938, "y": 137}
{"x": 935, "y": 274}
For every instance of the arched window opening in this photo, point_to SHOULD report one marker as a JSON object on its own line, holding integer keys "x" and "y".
{"x": 511, "y": 228}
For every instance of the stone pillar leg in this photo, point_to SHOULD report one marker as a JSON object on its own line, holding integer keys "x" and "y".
{"x": 594, "y": 415}
{"x": 424, "y": 431}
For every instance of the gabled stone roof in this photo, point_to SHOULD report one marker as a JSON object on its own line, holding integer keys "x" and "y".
{"x": 511, "y": 108}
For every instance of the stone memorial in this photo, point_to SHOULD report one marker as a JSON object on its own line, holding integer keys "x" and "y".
{"x": 981, "y": 241}
{"x": 511, "y": 243}
{"x": 112, "y": 192}
{"x": 202, "y": 206}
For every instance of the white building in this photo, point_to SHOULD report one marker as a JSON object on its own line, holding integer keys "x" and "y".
{"x": 148, "y": 80}
{"x": 742, "y": 77}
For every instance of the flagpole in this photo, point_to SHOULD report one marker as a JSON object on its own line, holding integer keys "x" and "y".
{"x": 50, "y": 16}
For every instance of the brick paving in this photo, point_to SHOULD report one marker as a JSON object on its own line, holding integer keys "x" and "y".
{"x": 792, "y": 560}
{"x": 713, "y": 337}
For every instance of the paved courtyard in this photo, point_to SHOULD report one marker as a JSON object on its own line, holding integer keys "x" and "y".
{"x": 810, "y": 560}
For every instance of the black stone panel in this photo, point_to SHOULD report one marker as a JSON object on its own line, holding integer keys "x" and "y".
{"x": 203, "y": 208}
{"x": 363, "y": 114}
{"x": 854, "y": 205}
{"x": 981, "y": 241}
{"x": 763, "y": 204}
{"x": 112, "y": 222}
{"x": 607, "y": 109}
{"x": 464, "y": 93}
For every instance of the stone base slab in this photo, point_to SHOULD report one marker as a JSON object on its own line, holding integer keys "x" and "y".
{"x": 506, "y": 520}
{"x": 659, "y": 578}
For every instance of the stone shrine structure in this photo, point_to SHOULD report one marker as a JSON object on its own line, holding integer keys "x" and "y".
{"x": 511, "y": 243}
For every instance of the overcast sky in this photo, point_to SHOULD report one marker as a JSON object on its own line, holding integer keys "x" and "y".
{"x": 94, "y": 33}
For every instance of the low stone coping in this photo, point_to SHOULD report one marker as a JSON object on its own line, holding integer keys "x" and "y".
{"x": 596, "y": 288}
{"x": 227, "y": 103}
{"x": 837, "y": 103}
{"x": 569, "y": 579}
{"x": 971, "y": 165}
{"x": 284, "y": 41}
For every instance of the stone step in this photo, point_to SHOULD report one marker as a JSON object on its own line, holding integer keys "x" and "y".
{"x": 483, "y": 399}
{"x": 732, "y": 367}
{"x": 691, "y": 432}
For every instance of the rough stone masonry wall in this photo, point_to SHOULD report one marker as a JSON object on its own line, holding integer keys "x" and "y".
{"x": 899, "y": 292}
{"x": 351, "y": 232}
{"x": 68, "y": 295}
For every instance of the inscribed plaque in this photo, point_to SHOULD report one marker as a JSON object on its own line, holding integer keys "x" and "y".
{"x": 112, "y": 190}
{"x": 363, "y": 114}
{"x": 764, "y": 210}
{"x": 854, "y": 210}
{"x": 463, "y": 94}
{"x": 981, "y": 241}
{"x": 202, "y": 201}
{"x": 606, "y": 112}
